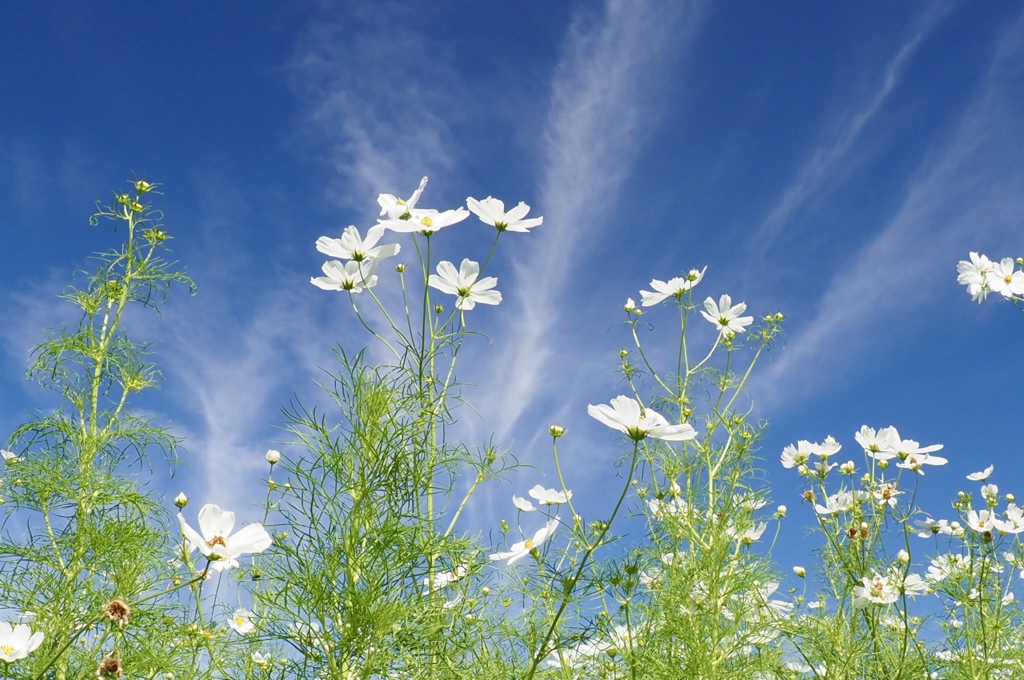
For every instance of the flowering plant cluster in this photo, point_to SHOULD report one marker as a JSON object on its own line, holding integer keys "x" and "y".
{"x": 983, "y": 276}
{"x": 362, "y": 567}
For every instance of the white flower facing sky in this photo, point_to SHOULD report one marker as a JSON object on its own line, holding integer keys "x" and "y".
{"x": 549, "y": 496}
{"x": 1005, "y": 279}
{"x": 351, "y": 246}
{"x": 523, "y": 504}
{"x": 443, "y": 579}
{"x": 626, "y": 415}
{"x": 876, "y": 589}
{"x": 18, "y": 641}
{"x": 675, "y": 287}
{"x": 9, "y": 456}
{"x": 352, "y": 276}
{"x": 242, "y": 621}
{"x": 974, "y": 275}
{"x": 981, "y": 476}
{"x": 465, "y": 284}
{"x": 518, "y": 551}
{"x": 492, "y": 211}
{"x": 425, "y": 221}
{"x": 396, "y": 208}
{"x": 881, "y": 445}
{"x": 726, "y": 316}
{"x": 215, "y": 540}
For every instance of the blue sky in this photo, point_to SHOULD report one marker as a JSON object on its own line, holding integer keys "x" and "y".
{"x": 832, "y": 161}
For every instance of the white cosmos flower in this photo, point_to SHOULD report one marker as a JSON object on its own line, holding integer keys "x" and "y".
{"x": 974, "y": 275}
{"x": 795, "y": 456}
{"x": 876, "y": 589}
{"x": 626, "y": 415}
{"x": 842, "y": 501}
{"x": 261, "y": 659}
{"x": 465, "y": 284}
{"x": 9, "y": 456}
{"x": 521, "y": 549}
{"x": 981, "y": 520}
{"x": 444, "y": 579}
{"x": 425, "y": 221}
{"x": 1004, "y": 280}
{"x": 395, "y": 208}
{"x": 916, "y": 461}
{"x": 18, "y": 641}
{"x": 726, "y": 316}
{"x": 523, "y": 504}
{"x": 981, "y": 476}
{"x": 352, "y": 276}
{"x": 492, "y": 211}
{"x": 930, "y": 527}
{"x": 352, "y": 247}
{"x": 883, "y": 445}
{"x": 549, "y": 496}
{"x": 216, "y": 540}
{"x": 675, "y": 287}
{"x": 1014, "y": 522}
{"x": 241, "y": 621}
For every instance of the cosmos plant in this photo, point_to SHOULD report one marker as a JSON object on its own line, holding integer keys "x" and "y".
{"x": 376, "y": 555}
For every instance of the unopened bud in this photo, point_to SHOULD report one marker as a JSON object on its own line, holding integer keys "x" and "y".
{"x": 181, "y": 500}
{"x": 142, "y": 186}
{"x": 630, "y": 306}
{"x": 800, "y": 571}
{"x": 781, "y": 511}
{"x": 273, "y": 456}
{"x": 438, "y": 309}
{"x": 556, "y": 431}
{"x": 399, "y": 267}
{"x": 903, "y": 557}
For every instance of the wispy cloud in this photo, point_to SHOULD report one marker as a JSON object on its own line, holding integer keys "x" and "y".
{"x": 826, "y": 161}
{"x": 383, "y": 108}
{"x": 969, "y": 190}
{"x": 604, "y": 103}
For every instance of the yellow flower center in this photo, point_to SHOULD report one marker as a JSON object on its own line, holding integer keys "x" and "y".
{"x": 1008, "y": 278}
{"x": 427, "y": 222}
{"x": 528, "y": 543}
{"x": 217, "y": 540}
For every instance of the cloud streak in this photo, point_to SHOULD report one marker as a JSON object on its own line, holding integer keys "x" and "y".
{"x": 825, "y": 161}
{"x": 969, "y": 189}
{"x": 603, "y": 105}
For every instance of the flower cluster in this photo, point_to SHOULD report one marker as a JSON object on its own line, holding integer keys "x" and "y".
{"x": 723, "y": 314}
{"x": 403, "y": 216}
{"x": 983, "y": 276}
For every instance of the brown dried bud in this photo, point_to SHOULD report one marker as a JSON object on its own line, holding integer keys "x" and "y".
{"x": 118, "y": 612}
{"x": 110, "y": 667}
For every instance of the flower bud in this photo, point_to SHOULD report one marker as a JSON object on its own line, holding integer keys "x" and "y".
{"x": 142, "y": 186}
{"x": 273, "y": 456}
{"x": 485, "y": 590}
{"x": 623, "y": 353}
{"x": 903, "y": 557}
{"x": 781, "y": 511}
{"x": 181, "y": 500}
{"x": 556, "y": 431}
{"x": 800, "y": 571}
{"x": 1010, "y": 498}
{"x": 399, "y": 267}
{"x": 779, "y": 318}
{"x": 438, "y": 309}
{"x": 630, "y": 306}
